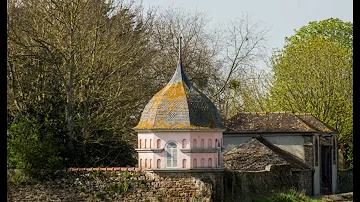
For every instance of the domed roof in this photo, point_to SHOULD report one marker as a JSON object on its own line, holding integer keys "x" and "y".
{"x": 181, "y": 106}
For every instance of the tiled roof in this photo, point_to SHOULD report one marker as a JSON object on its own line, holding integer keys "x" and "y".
{"x": 316, "y": 123}
{"x": 180, "y": 105}
{"x": 276, "y": 122}
{"x": 257, "y": 153}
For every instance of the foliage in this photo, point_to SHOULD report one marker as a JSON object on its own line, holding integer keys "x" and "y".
{"x": 315, "y": 76}
{"x": 313, "y": 73}
{"x": 99, "y": 62}
{"x": 35, "y": 140}
{"x": 20, "y": 178}
{"x": 290, "y": 196}
{"x": 333, "y": 29}
{"x": 126, "y": 186}
{"x": 86, "y": 54}
{"x": 117, "y": 187}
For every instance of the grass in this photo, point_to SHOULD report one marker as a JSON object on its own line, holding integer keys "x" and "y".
{"x": 290, "y": 196}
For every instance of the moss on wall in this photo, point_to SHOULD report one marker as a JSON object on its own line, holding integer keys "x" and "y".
{"x": 119, "y": 186}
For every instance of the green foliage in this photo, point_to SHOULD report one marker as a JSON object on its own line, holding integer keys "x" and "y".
{"x": 126, "y": 186}
{"x": 117, "y": 187}
{"x": 313, "y": 73}
{"x": 290, "y": 196}
{"x": 333, "y": 29}
{"x": 35, "y": 141}
{"x": 126, "y": 174}
{"x": 20, "y": 178}
{"x": 80, "y": 76}
{"x": 99, "y": 194}
{"x": 349, "y": 155}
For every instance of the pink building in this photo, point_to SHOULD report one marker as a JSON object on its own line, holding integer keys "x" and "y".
{"x": 180, "y": 128}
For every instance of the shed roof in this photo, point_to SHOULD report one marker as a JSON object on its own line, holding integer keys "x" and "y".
{"x": 257, "y": 153}
{"x": 276, "y": 122}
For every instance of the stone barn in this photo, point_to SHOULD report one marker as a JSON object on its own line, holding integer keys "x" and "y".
{"x": 300, "y": 140}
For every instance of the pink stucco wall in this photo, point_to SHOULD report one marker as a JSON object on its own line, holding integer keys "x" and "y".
{"x": 183, "y": 140}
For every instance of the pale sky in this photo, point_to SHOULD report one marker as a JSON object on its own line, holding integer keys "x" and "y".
{"x": 280, "y": 16}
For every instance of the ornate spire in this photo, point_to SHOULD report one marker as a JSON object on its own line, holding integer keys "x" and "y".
{"x": 180, "y": 105}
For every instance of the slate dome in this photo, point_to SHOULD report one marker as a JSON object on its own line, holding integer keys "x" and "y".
{"x": 181, "y": 106}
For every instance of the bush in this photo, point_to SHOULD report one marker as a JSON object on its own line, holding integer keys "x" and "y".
{"x": 32, "y": 145}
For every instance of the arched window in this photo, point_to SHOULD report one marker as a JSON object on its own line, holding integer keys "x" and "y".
{"x": 195, "y": 163}
{"x": 202, "y": 143}
{"x": 145, "y": 163}
{"x": 150, "y": 163}
{"x": 140, "y": 142}
{"x": 171, "y": 155}
{"x": 145, "y": 143}
{"x": 140, "y": 163}
{"x": 210, "y": 162}
{"x": 184, "y": 143}
{"x": 215, "y": 143}
{"x": 158, "y": 143}
{"x": 210, "y": 143}
{"x": 150, "y": 143}
{"x": 184, "y": 163}
{"x": 194, "y": 143}
{"x": 202, "y": 163}
{"x": 158, "y": 163}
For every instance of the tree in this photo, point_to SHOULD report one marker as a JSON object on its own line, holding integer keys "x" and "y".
{"x": 199, "y": 47}
{"x": 241, "y": 87}
{"x": 315, "y": 76}
{"x": 313, "y": 73}
{"x": 333, "y": 29}
{"x": 92, "y": 52}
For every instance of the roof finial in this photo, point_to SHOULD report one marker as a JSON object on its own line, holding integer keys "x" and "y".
{"x": 180, "y": 50}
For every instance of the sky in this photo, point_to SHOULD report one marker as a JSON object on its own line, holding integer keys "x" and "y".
{"x": 281, "y": 17}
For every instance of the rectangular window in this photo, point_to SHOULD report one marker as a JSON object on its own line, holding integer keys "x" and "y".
{"x": 334, "y": 150}
{"x": 316, "y": 153}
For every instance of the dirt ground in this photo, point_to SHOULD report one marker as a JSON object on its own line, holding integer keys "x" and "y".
{"x": 337, "y": 197}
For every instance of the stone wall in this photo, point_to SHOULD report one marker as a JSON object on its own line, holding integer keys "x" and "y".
{"x": 303, "y": 181}
{"x": 241, "y": 185}
{"x": 345, "y": 180}
{"x": 117, "y": 185}
{"x": 138, "y": 185}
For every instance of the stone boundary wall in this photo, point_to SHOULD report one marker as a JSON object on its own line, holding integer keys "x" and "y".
{"x": 345, "y": 180}
{"x": 121, "y": 184}
{"x": 242, "y": 185}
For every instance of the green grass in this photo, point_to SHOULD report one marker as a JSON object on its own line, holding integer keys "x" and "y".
{"x": 290, "y": 196}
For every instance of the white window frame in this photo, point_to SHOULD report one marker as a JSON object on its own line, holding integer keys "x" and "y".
{"x": 172, "y": 151}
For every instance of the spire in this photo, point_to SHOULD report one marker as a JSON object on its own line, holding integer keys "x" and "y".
{"x": 180, "y": 50}
{"x": 180, "y": 105}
